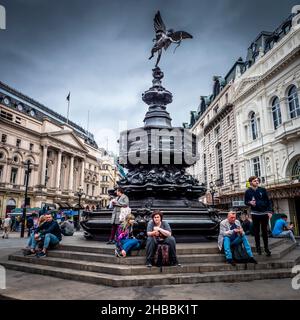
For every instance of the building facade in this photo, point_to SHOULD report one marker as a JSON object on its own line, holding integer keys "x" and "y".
{"x": 263, "y": 95}
{"x": 64, "y": 158}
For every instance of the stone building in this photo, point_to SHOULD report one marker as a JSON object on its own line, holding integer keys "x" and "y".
{"x": 63, "y": 157}
{"x": 263, "y": 95}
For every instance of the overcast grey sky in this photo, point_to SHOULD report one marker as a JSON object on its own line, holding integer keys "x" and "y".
{"x": 99, "y": 51}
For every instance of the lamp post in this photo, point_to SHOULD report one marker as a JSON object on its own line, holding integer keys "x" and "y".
{"x": 79, "y": 193}
{"x": 26, "y": 201}
{"x": 212, "y": 191}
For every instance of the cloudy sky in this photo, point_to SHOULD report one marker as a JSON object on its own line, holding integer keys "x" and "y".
{"x": 99, "y": 51}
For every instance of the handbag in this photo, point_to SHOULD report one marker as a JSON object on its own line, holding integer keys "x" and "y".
{"x": 124, "y": 212}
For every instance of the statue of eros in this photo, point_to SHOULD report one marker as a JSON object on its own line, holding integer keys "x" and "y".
{"x": 164, "y": 37}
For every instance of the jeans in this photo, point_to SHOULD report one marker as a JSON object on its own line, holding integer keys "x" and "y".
{"x": 130, "y": 244}
{"x": 49, "y": 239}
{"x": 228, "y": 243}
{"x": 286, "y": 234}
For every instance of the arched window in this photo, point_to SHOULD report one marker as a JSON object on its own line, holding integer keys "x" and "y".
{"x": 219, "y": 163}
{"x": 253, "y": 126}
{"x": 276, "y": 113}
{"x": 296, "y": 170}
{"x": 293, "y": 102}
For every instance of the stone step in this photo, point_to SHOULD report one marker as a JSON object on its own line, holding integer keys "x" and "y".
{"x": 191, "y": 248}
{"x": 149, "y": 280}
{"x": 143, "y": 270}
{"x": 277, "y": 253}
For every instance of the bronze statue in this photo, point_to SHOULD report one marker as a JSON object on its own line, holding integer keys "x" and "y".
{"x": 164, "y": 38}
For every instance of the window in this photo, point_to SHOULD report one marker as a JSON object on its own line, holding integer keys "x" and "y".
{"x": 253, "y": 126}
{"x": 204, "y": 169}
{"x": 228, "y": 121}
{"x": 216, "y": 109}
{"x": 210, "y": 161}
{"x": 209, "y": 138}
{"x": 87, "y": 189}
{"x": 18, "y": 143}
{"x": 1, "y": 155}
{"x": 293, "y": 102}
{"x": 230, "y": 146}
{"x": 25, "y": 178}
{"x": 276, "y": 113}
{"x": 93, "y": 190}
{"x": 18, "y": 120}
{"x": 31, "y": 146}
{"x": 13, "y": 175}
{"x": 217, "y": 132}
{"x": 4, "y": 138}
{"x": 104, "y": 178}
{"x": 1, "y": 173}
{"x": 219, "y": 162}
{"x": 256, "y": 167}
{"x": 6, "y": 115}
{"x": 226, "y": 98}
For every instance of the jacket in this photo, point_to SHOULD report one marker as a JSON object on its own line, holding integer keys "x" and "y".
{"x": 122, "y": 201}
{"x": 50, "y": 227}
{"x": 225, "y": 231}
{"x": 260, "y": 195}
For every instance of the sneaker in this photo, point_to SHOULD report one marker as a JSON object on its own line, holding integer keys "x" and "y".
{"x": 148, "y": 264}
{"x": 268, "y": 252}
{"x": 230, "y": 261}
{"x": 252, "y": 260}
{"x": 117, "y": 253}
{"x": 41, "y": 254}
{"x": 27, "y": 252}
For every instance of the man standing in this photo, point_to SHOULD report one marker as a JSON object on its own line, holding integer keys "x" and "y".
{"x": 258, "y": 200}
{"x": 121, "y": 201}
{"x": 232, "y": 234}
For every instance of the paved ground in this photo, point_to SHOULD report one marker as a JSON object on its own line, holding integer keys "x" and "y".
{"x": 21, "y": 285}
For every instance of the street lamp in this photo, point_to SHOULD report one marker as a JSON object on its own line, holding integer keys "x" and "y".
{"x": 212, "y": 190}
{"x": 26, "y": 202}
{"x": 79, "y": 193}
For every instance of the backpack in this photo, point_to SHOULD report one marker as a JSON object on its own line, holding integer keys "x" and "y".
{"x": 239, "y": 254}
{"x": 162, "y": 256}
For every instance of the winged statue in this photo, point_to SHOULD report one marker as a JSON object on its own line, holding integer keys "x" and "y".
{"x": 164, "y": 38}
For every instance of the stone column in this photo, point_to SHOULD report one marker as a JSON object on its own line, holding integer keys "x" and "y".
{"x": 82, "y": 174}
{"x": 58, "y": 170}
{"x": 44, "y": 162}
{"x": 71, "y": 173}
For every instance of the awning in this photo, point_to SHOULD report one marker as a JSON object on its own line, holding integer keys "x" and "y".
{"x": 64, "y": 205}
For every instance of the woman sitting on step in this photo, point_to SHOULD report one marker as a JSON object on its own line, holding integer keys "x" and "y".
{"x": 125, "y": 242}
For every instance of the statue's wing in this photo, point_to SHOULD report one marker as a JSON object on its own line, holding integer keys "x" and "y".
{"x": 179, "y": 35}
{"x": 158, "y": 23}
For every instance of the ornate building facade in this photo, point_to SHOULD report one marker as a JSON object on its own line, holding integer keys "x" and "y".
{"x": 263, "y": 95}
{"x": 64, "y": 158}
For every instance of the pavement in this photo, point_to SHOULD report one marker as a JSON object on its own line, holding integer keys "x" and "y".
{"x": 27, "y": 286}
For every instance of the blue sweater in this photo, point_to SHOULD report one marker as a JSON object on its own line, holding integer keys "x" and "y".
{"x": 260, "y": 195}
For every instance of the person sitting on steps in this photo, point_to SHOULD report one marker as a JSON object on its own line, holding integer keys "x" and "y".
{"x": 232, "y": 234}
{"x": 159, "y": 230}
{"x": 125, "y": 242}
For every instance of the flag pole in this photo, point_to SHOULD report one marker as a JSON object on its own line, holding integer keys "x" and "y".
{"x": 68, "y": 98}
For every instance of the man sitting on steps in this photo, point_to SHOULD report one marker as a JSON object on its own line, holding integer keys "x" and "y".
{"x": 232, "y": 234}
